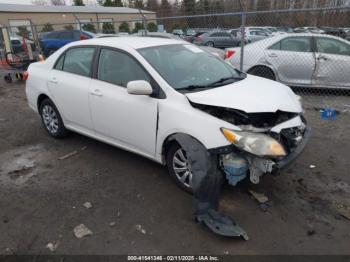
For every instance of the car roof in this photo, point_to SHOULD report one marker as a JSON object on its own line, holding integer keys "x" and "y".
{"x": 134, "y": 42}
{"x": 271, "y": 40}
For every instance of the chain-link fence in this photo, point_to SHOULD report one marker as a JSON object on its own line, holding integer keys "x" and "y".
{"x": 307, "y": 49}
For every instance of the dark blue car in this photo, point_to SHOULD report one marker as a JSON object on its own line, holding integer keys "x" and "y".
{"x": 52, "y": 41}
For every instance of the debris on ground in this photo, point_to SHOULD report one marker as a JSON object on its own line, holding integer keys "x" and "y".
{"x": 112, "y": 224}
{"x": 311, "y": 232}
{"x": 344, "y": 211}
{"x": 52, "y": 246}
{"x": 81, "y": 231}
{"x": 264, "y": 207}
{"x": 2, "y": 119}
{"x": 312, "y": 166}
{"x": 87, "y": 205}
{"x": 73, "y": 153}
{"x": 118, "y": 214}
{"x": 262, "y": 198}
{"x": 68, "y": 155}
{"x": 139, "y": 228}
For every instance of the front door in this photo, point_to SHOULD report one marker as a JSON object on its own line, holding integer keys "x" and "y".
{"x": 332, "y": 63}
{"x": 124, "y": 119}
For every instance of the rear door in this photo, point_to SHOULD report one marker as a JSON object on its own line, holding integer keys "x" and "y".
{"x": 293, "y": 59}
{"x": 69, "y": 82}
{"x": 332, "y": 62}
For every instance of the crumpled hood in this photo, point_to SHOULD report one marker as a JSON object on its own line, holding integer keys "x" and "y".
{"x": 251, "y": 95}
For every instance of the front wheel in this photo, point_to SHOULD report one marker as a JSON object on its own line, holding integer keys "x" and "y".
{"x": 179, "y": 167}
{"x": 52, "y": 120}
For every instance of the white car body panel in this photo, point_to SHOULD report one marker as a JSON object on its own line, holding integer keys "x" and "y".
{"x": 267, "y": 99}
{"x": 142, "y": 124}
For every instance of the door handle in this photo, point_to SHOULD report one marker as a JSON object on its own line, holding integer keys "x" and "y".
{"x": 53, "y": 81}
{"x": 272, "y": 55}
{"x": 96, "y": 92}
{"x": 321, "y": 57}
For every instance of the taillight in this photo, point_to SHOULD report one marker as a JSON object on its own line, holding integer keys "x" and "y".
{"x": 25, "y": 75}
{"x": 83, "y": 37}
{"x": 229, "y": 54}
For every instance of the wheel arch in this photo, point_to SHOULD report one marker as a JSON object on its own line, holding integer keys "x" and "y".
{"x": 170, "y": 140}
{"x": 266, "y": 66}
{"x": 40, "y": 99}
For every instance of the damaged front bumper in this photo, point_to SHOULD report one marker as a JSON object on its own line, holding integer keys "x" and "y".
{"x": 259, "y": 166}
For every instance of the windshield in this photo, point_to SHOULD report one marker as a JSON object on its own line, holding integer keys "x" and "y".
{"x": 189, "y": 67}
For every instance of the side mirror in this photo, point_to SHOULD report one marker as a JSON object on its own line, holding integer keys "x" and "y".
{"x": 139, "y": 87}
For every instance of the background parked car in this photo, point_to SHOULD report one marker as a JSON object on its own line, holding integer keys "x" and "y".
{"x": 310, "y": 60}
{"x": 334, "y": 31}
{"x": 253, "y": 34}
{"x": 52, "y": 41}
{"x": 308, "y": 29}
{"x": 216, "y": 51}
{"x": 178, "y": 32}
{"x": 217, "y": 39}
{"x": 191, "y": 38}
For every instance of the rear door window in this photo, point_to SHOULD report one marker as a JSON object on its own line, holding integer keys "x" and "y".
{"x": 66, "y": 35}
{"x": 78, "y": 61}
{"x": 296, "y": 44}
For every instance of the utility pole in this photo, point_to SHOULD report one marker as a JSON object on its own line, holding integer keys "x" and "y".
{"x": 243, "y": 18}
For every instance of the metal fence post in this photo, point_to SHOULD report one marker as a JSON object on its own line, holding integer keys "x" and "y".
{"x": 243, "y": 17}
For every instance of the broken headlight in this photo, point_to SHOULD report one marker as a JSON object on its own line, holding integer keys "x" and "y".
{"x": 254, "y": 143}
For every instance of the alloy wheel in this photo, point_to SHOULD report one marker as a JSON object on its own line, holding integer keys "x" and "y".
{"x": 50, "y": 119}
{"x": 182, "y": 168}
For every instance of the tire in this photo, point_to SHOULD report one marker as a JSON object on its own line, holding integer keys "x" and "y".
{"x": 51, "y": 119}
{"x": 210, "y": 43}
{"x": 263, "y": 71}
{"x": 173, "y": 152}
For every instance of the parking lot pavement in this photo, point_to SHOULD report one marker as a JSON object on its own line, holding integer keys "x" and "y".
{"x": 137, "y": 209}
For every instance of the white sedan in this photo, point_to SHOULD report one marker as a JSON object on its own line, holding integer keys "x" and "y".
{"x": 139, "y": 93}
{"x": 306, "y": 60}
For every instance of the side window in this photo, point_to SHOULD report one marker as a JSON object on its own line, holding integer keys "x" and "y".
{"x": 59, "y": 63}
{"x": 215, "y": 35}
{"x": 276, "y": 46}
{"x": 225, "y": 34}
{"x": 332, "y": 46}
{"x": 119, "y": 68}
{"x": 78, "y": 60}
{"x": 66, "y": 35}
{"x": 296, "y": 44}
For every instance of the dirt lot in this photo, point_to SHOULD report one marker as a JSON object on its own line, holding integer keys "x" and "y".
{"x": 44, "y": 202}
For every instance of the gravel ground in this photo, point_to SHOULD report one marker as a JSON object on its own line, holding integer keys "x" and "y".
{"x": 137, "y": 209}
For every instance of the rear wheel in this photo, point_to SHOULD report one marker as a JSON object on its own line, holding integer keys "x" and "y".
{"x": 210, "y": 43}
{"x": 51, "y": 119}
{"x": 179, "y": 167}
{"x": 263, "y": 71}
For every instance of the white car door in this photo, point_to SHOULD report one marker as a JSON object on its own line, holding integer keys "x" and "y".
{"x": 123, "y": 119}
{"x": 293, "y": 59}
{"x": 333, "y": 62}
{"x": 69, "y": 82}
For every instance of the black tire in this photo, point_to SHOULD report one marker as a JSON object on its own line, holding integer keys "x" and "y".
{"x": 172, "y": 149}
{"x": 54, "y": 125}
{"x": 210, "y": 44}
{"x": 263, "y": 71}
